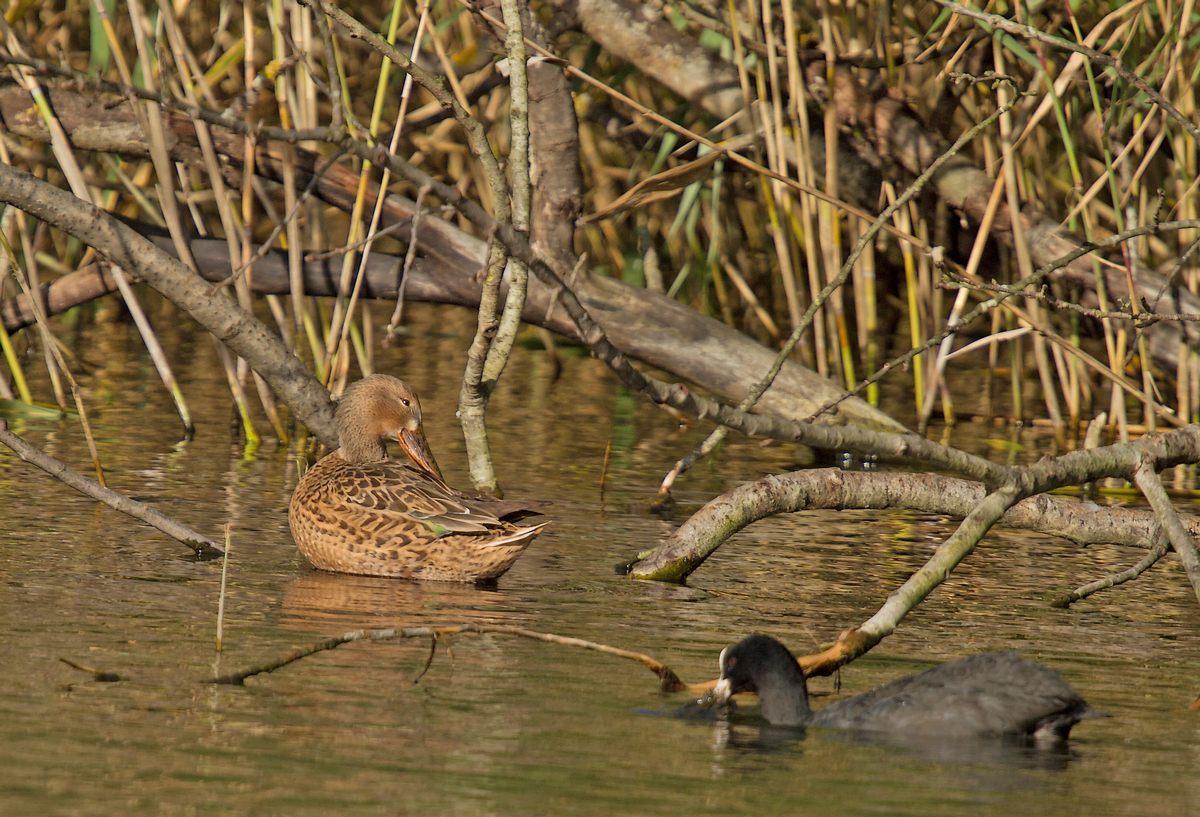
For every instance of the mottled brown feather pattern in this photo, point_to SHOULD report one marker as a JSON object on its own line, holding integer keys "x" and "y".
{"x": 385, "y": 517}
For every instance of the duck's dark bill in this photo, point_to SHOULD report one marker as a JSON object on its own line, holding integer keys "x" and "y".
{"x": 417, "y": 448}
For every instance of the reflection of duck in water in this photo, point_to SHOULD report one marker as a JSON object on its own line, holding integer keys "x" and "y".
{"x": 328, "y": 603}
{"x": 359, "y": 511}
{"x": 991, "y": 694}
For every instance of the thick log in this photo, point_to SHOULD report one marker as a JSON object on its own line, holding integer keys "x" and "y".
{"x": 647, "y": 325}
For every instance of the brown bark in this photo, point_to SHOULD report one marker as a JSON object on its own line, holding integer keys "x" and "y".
{"x": 59, "y": 295}
{"x": 554, "y": 159}
{"x": 639, "y": 33}
{"x": 554, "y": 144}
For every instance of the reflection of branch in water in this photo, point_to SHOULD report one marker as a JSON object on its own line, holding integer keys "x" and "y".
{"x": 668, "y": 680}
{"x": 433, "y": 642}
{"x": 200, "y": 544}
{"x": 97, "y": 675}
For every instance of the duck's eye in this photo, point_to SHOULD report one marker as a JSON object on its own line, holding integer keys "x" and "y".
{"x": 405, "y": 402}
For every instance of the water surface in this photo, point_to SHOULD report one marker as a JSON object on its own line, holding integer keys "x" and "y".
{"x": 501, "y": 725}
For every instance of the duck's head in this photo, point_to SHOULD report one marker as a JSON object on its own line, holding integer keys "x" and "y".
{"x": 762, "y": 665}
{"x": 379, "y": 408}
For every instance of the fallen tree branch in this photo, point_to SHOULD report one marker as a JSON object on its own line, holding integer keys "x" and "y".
{"x": 649, "y": 327}
{"x": 201, "y": 545}
{"x": 660, "y": 331}
{"x": 686, "y": 549}
{"x": 597, "y": 337}
{"x": 668, "y": 680}
{"x": 1127, "y": 460}
{"x": 836, "y": 438}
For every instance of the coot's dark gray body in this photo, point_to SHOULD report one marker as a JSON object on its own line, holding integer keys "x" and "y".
{"x": 995, "y": 693}
{"x": 990, "y": 694}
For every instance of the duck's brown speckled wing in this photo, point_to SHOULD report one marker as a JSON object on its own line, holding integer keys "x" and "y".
{"x": 393, "y": 488}
{"x": 390, "y": 519}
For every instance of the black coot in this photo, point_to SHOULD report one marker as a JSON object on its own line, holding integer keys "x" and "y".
{"x": 997, "y": 693}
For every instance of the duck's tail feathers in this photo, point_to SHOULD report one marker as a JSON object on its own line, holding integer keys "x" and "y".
{"x": 517, "y": 536}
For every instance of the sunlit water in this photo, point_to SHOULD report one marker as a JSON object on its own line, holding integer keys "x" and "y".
{"x": 501, "y": 725}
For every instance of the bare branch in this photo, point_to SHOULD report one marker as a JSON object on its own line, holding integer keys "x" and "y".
{"x": 668, "y": 680}
{"x": 1145, "y": 476}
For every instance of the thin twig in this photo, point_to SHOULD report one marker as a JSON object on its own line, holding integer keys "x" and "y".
{"x": 1143, "y": 564}
{"x": 410, "y": 255}
{"x": 604, "y": 467}
{"x": 221, "y": 597}
{"x": 433, "y": 642}
{"x": 1142, "y": 318}
{"x": 97, "y": 675}
{"x": 357, "y": 245}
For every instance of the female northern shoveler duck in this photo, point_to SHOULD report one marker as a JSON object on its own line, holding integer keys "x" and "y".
{"x": 359, "y": 511}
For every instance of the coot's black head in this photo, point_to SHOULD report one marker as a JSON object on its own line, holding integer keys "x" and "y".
{"x": 762, "y": 665}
